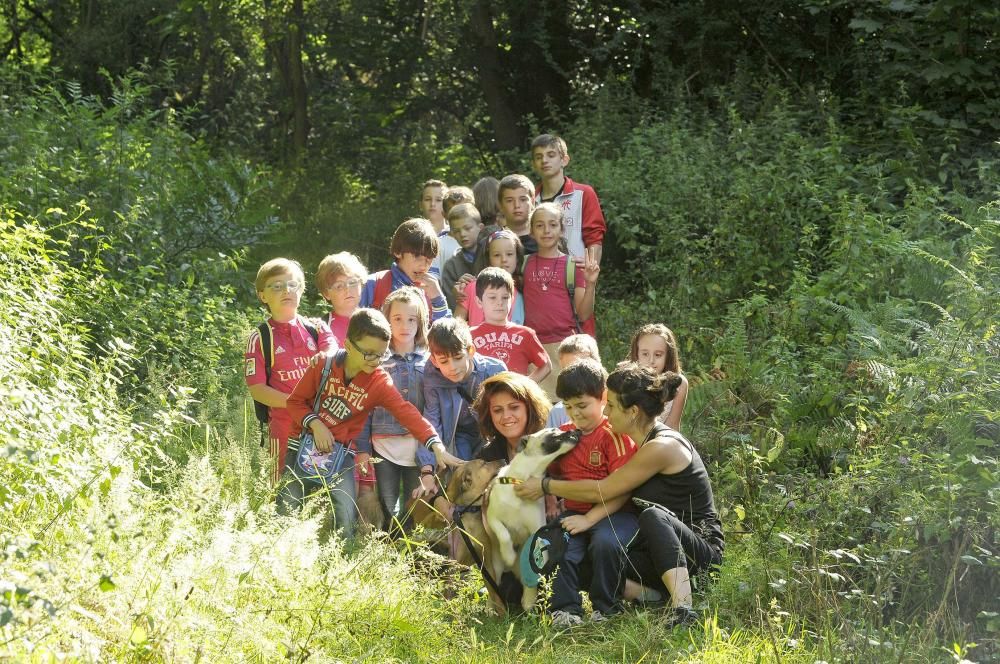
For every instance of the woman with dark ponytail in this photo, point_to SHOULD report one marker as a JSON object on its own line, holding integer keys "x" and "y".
{"x": 679, "y": 530}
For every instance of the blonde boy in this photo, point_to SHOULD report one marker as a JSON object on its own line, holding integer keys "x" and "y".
{"x": 279, "y": 350}
{"x": 432, "y": 195}
{"x": 572, "y": 348}
{"x": 466, "y": 224}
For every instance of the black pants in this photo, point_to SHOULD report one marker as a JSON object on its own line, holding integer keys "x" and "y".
{"x": 663, "y": 543}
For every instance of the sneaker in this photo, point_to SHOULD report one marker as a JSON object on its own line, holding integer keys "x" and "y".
{"x": 598, "y": 617}
{"x": 680, "y": 615}
{"x": 566, "y": 619}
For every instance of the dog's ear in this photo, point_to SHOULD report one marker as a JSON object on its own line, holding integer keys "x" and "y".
{"x": 522, "y": 443}
{"x": 467, "y": 478}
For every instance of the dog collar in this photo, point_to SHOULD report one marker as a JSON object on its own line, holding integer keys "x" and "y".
{"x": 509, "y": 480}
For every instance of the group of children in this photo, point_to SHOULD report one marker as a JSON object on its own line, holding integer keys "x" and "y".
{"x": 500, "y": 276}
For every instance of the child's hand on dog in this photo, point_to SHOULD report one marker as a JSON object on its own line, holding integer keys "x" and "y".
{"x": 445, "y": 458}
{"x": 530, "y": 489}
{"x": 576, "y": 524}
{"x": 428, "y": 487}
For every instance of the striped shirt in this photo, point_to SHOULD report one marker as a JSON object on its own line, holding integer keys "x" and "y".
{"x": 597, "y": 455}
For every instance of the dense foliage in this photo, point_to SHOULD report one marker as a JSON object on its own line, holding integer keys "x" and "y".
{"x": 805, "y": 192}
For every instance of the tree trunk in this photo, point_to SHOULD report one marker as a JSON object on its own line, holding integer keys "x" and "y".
{"x": 297, "y": 82}
{"x": 283, "y": 34}
{"x": 506, "y": 133}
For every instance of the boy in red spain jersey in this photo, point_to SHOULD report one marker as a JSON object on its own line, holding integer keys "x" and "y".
{"x": 271, "y": 373}
{"x": 516, "y": 345}
{"x": 599, "y": 532}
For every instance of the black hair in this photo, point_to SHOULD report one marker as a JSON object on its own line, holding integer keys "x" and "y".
{"x": 582, "y": 378}
{"x": 494, "y": 277}
{"x": 368, "y": 323}
{"x": 414, "y": 236}
{"x": 449, "y": 335}
{"x": 636, "y": 385}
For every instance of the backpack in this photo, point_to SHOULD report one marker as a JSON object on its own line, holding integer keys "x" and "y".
{"x": 383, "y": 287}
{"x": 267, "y": 348}
{"x": 570, "y": 286}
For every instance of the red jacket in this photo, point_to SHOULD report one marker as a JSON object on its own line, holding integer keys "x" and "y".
{"x": 345, "y": 405}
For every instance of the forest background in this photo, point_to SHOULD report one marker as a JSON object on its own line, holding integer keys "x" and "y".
{"x": 806, "y": 192}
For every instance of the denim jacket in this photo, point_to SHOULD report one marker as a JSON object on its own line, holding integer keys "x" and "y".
{"x": 444, "y": 403}
{"x": 407, "y": 373}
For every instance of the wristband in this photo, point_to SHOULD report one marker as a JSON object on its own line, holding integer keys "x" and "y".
{"x": 545, "y": 485}
{"x": 424, "y": 473}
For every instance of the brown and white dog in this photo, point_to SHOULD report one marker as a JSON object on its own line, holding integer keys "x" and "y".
{"x": 466, "y": 488}
{"x": 512, "y": 520}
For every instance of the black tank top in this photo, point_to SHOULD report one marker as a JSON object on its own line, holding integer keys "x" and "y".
{"x": 687, "y": 493}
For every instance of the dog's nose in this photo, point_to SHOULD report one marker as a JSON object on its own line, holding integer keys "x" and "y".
{"x": 573, "y": 435}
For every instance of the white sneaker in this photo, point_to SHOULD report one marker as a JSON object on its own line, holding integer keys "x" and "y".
{"x": 598, "y": 617}
{"x": 565, "y": 619}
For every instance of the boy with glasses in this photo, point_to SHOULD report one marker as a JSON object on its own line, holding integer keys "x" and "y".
{"x": 278, "y": 352}
{"x": 355, "y": 386}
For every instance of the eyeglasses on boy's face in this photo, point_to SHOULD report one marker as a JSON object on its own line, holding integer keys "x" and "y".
{"x": 279, "y": 286}
{"x": 341, "y": 286}
{"x": 371, "y": 357}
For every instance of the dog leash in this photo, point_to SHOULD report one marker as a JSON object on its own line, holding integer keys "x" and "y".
{"x": 457, "y": 514}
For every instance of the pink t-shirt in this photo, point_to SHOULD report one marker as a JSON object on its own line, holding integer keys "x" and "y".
{"x": 475, "y": 312}
{"x": 515, "y": 345}
{"x": 293, "y": 348}
{"x": 338, "y": 325}
{"x": 547, "y": 308}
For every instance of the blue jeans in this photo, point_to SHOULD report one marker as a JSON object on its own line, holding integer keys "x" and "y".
{"x": 342, "y": 493}
{"x": 604, "y": 547}
{"x": 388, "y": 477}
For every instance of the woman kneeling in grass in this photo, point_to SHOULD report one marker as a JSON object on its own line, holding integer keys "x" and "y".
{"x": 679, "y": 529}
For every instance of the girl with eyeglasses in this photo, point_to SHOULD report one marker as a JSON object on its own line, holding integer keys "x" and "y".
{"x": 339, "y": 279}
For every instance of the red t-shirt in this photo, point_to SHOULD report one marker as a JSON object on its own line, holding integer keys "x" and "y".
{"x": 547, "y": 309}
{"x": 597, "y": 455}
{"x": 293, "y": 347}
{"x": 474, "y": 312}
{"x": 515, "y": 345}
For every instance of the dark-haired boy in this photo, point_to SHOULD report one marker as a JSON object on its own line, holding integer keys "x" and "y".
{"x": 414, "y": 246}
{"x": 465, "y": 224}
{"x": 517, "y": 199}
{"x": 584, "y": 220}
{"x": 600, "y": 532}
{"x": 356, "y": 385}
{"x": 451, "y": 381}
{"x": 515, "y": 345}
